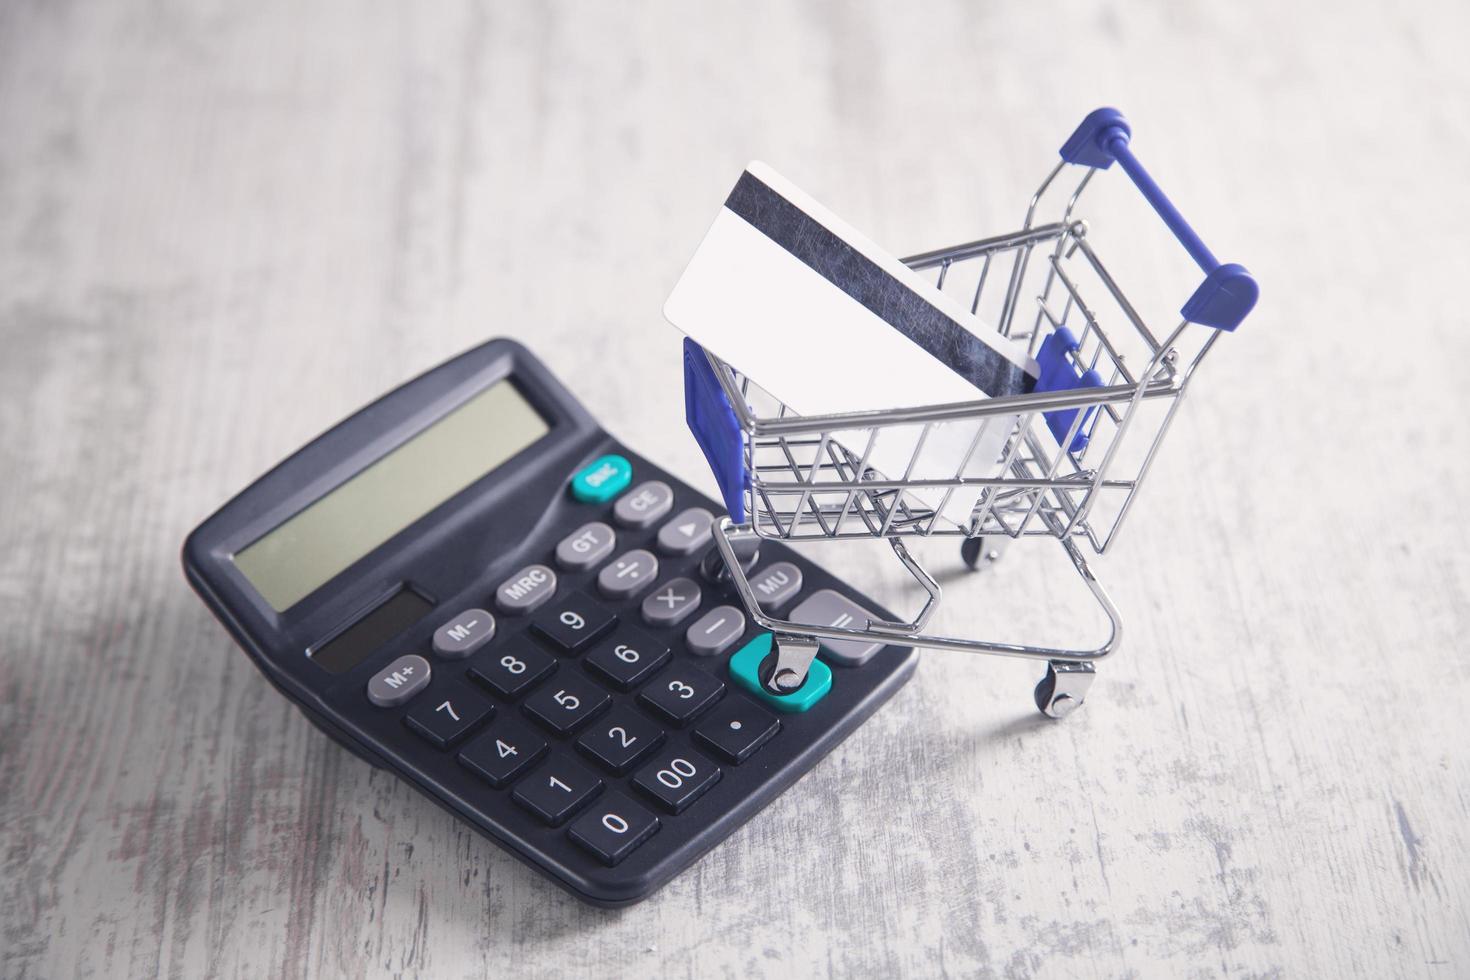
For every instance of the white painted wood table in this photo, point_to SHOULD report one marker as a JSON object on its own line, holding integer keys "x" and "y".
{"x": 224, "y": 226}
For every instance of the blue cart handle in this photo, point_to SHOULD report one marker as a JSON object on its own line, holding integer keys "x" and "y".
{"x": 1229, "y": 292}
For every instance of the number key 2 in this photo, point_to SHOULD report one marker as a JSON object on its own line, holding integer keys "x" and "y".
{"x": 564, "y": 704}
{"x": 681, "y": 692}
{"x": 448, "y": 717}
{"x": 621, "y": 739}
{"x": 627, "y": 658}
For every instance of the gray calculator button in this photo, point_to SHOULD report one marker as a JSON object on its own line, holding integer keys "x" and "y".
{"x": 828, "y": 608}
{"x": 586, "y": 546}
{"x": 671, "y": 602}
{"x": 464, "y": 634}
{"x": 686, "y": 532}
{"x": 526, "y": 589}
{"x": 644, "y": 504}
{"x": 628, "y": 573}
{"x": 776, "y": 584}
{"x": 399, "y": 681}
{"x": 713, "y": 632}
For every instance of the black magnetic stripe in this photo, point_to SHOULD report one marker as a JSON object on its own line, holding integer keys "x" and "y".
{"x": 866, "y": 282}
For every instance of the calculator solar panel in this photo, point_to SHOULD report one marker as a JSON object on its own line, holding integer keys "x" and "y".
{"x": 533, "y": 645}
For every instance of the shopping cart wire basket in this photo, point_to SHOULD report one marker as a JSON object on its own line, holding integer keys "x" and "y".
{"x": 1075, "y": 448}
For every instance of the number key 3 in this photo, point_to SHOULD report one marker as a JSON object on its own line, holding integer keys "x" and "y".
{"x": 682, "y": 692}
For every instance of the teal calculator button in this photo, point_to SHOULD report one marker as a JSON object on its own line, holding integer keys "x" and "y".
{"x": 745, "y": 668}
{"x": 603, "y": 480}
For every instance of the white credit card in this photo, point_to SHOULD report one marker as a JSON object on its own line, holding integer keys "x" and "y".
{"x": 826, "y": 321}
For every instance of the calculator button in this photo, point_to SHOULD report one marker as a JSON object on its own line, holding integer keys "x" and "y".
{"x": 627, "y": 658}
{"x": 573, "y": 622}
{"x": 736, "y": 729}
{"x": 681, "y": 692}
{"x": 444, "y": 720}
{"x": 672, "y": 602}
{"x": 513, "y": 669}
{"x": 629, "y": 573}
{"x": 503, "y": 751}
{"x": 745, "y": 671}
{"x": 686, "y": 532}
{"x": 712, "y": 633}
{"x": 602, "y": 480}
{"x": 557, "y": 789}
{"x": 586, "y": 546}
{"x": 677, "y": 777}
{"x": 399, "y": 681}
{"x": 566, "y": 704}
{"x": 613, "y": 828}
{"x": 526, "y": 589}
{"x": 464, "y": 634}
{"x": 776, "y": 584}
{"x": 644, "y": 504}
{"x": 827, "y": 608}
{"x": 621, "y": 739}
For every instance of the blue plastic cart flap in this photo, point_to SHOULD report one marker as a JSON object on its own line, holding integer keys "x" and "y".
{"x": 1058, "y": 374}
{"x": 715, "y": 428}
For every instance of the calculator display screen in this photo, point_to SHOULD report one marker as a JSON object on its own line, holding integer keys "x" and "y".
{"x": 299, "y": 556}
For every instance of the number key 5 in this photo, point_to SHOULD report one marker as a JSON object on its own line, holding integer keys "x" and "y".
{"x": 564, "y": 705}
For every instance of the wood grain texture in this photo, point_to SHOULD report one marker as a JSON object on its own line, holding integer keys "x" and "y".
{"x": 224, "y": 226}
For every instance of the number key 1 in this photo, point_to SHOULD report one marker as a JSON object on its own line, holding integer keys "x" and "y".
{"x": 557, "y": 790}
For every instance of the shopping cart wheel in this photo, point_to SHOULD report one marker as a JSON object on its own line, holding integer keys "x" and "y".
{"x": 1064, "y": 688}
{"x": 980, "y": 552}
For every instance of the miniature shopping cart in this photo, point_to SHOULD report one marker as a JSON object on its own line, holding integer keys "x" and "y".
{"x": 1074, "y": 450}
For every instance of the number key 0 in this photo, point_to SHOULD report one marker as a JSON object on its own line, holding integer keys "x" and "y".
{"x": 613, "y": 828}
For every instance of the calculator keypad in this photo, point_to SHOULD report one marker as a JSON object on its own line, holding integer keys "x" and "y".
{"x": 572, "y": 622}
{"x": 681, "y": 692}
{"x": 513, "y": 669}
{"x": 567, "y": 703}
{"x": 627, "y": 658}
{"x": 609, "y": 753}
{"x": 447, "y": 718}
{"x": 676, "y": 778}
{"x": 619, "y": 740}
{"x": 557, "y": 789}
{"x": 503, "y": 751}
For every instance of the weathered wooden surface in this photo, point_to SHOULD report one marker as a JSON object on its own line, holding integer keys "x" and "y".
{"x": 223, "y": 226}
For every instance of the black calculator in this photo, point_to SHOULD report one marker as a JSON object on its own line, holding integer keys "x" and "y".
{"x": 472, "y": 584}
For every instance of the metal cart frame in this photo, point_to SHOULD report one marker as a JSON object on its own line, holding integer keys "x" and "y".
{"x": 1075, "y": 450}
